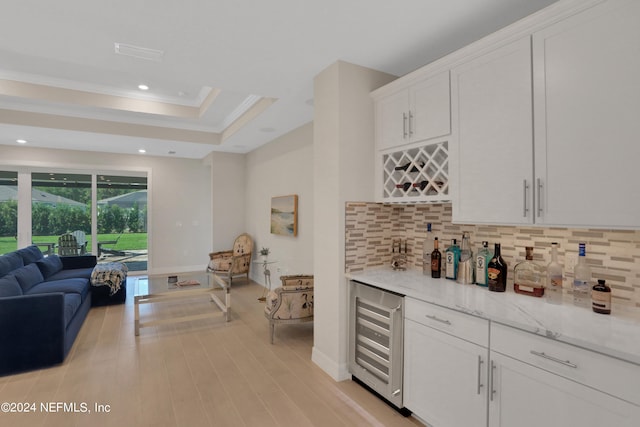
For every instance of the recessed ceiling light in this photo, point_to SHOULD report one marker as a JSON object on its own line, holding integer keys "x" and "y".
{"x": 21, "y": 141}
{"x": 142, "y": 151}
{"x": 143, "y": 87}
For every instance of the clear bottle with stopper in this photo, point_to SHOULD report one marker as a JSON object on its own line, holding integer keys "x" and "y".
{"x": 553, "y": 293}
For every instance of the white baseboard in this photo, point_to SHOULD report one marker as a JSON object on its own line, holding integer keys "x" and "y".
{"x": 337, "y": 371}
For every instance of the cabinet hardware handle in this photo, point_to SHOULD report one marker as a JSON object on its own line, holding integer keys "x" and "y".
{"x": 492, "y": 380}
{"x": 480, "y": 362}
{"x": 397, "y": 392}
{"x": 525, "y": 191}
{"x": 410, "y": 123}
{"x": 437, "y": 319}
{"x": 554, "y": 359}
{"x": 404, "y": 125}
{"x": 539, "y": 198}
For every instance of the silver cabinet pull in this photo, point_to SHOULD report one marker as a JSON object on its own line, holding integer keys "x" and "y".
{"x": 397, "y": 392}
{"x": 554, "y": 359}
{"x": 404, "y": 125}
{"x": 410, "y": 123}
{"x": 437, "y": 319}
{"x": 492, "y": 379}
{"x": 480, "y": 362}
{"x": 525, "y": 188}
{"x": 539, "y": 198}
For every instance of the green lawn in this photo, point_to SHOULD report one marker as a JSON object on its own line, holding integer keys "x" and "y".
{"x": 127, "y": 241}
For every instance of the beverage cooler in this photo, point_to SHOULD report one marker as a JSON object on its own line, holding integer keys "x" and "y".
{"x": 376, "y": 341}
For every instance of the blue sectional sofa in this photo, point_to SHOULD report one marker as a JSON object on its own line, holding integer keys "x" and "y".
{"x": 43, "y": 303}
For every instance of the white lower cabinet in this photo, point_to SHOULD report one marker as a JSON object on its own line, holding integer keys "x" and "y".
{"x": 455, "y": 376}
{"x": 523, "y": 395}
{"x": 445, "y": 377}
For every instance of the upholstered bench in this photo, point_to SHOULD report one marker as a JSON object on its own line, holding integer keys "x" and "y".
{"x": 109, "y": 284}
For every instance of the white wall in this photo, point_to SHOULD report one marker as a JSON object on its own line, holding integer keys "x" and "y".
{"x": 343, "y": 154}
{"x": 280, "y": 168}
{"x": 228, "y": 181}
{"x": 179, "y": 197}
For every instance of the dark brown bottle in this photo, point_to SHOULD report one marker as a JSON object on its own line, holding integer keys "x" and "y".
{"x": 436, "y": 260}
{"x": 601, "y": 298}
{"x": 497, "y": 271}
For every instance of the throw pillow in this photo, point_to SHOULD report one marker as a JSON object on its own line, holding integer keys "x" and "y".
{"x": 9, "y": 287}
{"x": 30, "y": 254}
{"x": 9, "y": 262}
{"x": 28, "y": 276}
{"x": 50, "y": 265}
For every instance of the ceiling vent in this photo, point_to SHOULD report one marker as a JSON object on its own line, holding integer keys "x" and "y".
{"x": 138, "y": 52}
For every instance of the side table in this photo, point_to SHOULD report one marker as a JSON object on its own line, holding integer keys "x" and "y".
{"x": 267, "y": 275}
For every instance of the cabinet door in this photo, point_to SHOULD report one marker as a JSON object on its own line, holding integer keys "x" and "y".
{"x": 587, "y": 99}
{"x": 445, "y": 378}
{"x": 430, "y": 108}
{"x": 392, "y": 120}
{"x": 525, "y": 396}
{"x": 492, "y": 117}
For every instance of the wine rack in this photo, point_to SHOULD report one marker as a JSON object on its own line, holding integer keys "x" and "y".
{"x": 417, "y": 174}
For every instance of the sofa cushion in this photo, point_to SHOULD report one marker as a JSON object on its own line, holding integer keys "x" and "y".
{"x": 9, "y": 262}
{"x": 30, "y": 254}
{"x": 49, "y": 266}
{"x": 9, "y": 286}
{"x": 84, "y": 273}
{"x": 71, "y": 303}
{"x": 76, "y": 286}
{"x": 28, "y": 276}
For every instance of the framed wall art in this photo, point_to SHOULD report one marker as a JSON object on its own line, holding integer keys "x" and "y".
{"x": 284, "y": 215}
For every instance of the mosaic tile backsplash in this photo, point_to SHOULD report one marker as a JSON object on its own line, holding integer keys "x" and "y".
{"x": 613, "y": 255}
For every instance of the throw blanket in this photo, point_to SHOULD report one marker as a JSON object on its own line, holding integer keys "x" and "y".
{"x": 112, "y": 274}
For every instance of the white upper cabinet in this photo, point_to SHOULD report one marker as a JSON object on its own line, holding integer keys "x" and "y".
{"x": 416, "y": 113}
{"x": 587, "y": 117}
{"x": 492, "y": 161}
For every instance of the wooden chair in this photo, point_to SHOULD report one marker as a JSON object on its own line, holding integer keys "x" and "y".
{"x": 235, "y": 262}
{"x": 81, "y": 239}
{"x": 68, "y": 245}
{"x": 291, "y": 303}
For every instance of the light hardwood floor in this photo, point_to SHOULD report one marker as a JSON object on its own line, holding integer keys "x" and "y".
{"x": 200, "y": 373}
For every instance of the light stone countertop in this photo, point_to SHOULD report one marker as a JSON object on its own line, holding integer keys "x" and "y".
{"x": 616, "y": 335}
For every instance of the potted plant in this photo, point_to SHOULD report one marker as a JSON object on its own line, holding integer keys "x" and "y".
{"x": 264, "y": 253}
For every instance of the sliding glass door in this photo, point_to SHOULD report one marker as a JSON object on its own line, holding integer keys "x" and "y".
{"x": 122, "y": 220}
{"x": 61, "y": 212}
{"x": 76, "y": 213}
{"x": 8, "y": 211}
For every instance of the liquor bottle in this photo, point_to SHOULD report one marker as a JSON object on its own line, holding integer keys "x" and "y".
{"x": 405, "y": 186}
{"x": 581, "y": 278}
{"x": 427, "y": 248}
{"x": 482, "y": 260}
{"x": 466, "y": 269}
{"x": 553, "y": 293}
{"x": 497, "y": 271}
{"x": 452, "y": 257}
{"x": 406, "y": 166}
{"x": 436, "y": 260}
{"x": 601, "y": 298}
{"x": 528, "y": 277}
